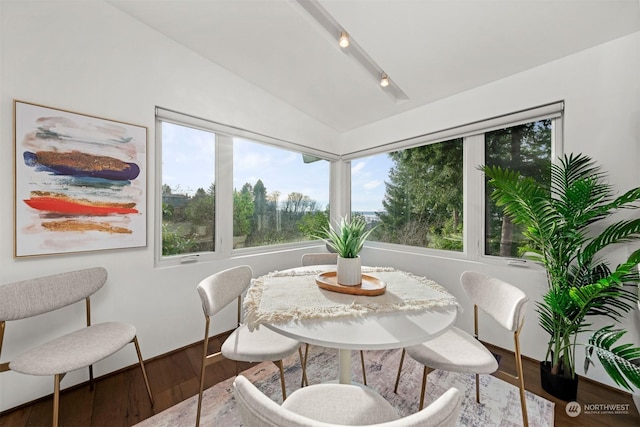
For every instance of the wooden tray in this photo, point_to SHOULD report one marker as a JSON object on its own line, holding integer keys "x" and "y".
{"x": 370, "y": 286}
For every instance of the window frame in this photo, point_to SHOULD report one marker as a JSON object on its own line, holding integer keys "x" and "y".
{"x": 224, "y": 135}
{"x": 340, "y": 181}
{"x": 473, "y": 179}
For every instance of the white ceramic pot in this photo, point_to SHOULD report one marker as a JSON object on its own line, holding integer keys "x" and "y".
{"x": 349, "y": 271}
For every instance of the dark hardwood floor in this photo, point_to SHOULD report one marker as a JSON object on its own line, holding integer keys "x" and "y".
{"x": 120, "y": 399}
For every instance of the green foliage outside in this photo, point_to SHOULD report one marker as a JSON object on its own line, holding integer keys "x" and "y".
{"x": 258, "y": 220}
{"x": 423, "y": 201}
{"x": 524, "y": 148}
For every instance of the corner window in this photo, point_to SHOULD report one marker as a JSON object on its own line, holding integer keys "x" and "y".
{"x": 427, "y": 192}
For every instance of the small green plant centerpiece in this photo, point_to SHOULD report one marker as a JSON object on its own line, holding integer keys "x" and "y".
{"x": 347, "y": 239}
{"x": 568, "y": 226}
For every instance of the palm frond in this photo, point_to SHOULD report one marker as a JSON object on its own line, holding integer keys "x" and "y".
{"x": 618, "y": 232}
{"x": 621, "y": 362}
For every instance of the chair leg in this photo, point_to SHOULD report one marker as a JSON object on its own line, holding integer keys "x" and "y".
{"x": 144, "y": 371}
{"x": 92, "y": 384}
{"x": 303, "y": 364}
{"x": 202, "y": 369}
{"x": 395, "y": 389}
{"x": 364, "y": 371}
{"x": 425, "y": 372}
{"x": 478, "y": 388}
{"x": 280, "y": 366}
{"x": 520, "y": 374}
{"x": 56, "y": 399}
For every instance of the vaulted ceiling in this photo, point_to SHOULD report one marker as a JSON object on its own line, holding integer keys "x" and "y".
{"x": 431, "y": 49}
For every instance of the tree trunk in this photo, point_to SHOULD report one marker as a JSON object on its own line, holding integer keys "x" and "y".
{"x": 506, "y": 237}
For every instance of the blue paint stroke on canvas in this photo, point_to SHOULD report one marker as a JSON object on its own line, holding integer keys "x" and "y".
{"x": 79, "y": 164}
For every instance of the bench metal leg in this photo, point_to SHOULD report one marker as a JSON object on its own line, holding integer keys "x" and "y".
{"x": 144, "y": 371}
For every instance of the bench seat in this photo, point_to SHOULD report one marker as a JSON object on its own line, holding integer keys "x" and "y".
{"x": 75, "y": 350}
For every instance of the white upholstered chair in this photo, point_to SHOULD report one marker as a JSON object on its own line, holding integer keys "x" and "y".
{"x": 216, "y": 292}
{"x": 325, "y": 405}
{"x": 79, "y": 349}
{"x": 458, "y": 351}
{"x": 326, "y": 258}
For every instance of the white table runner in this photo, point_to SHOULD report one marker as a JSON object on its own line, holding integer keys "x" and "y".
{"x": 285, "y": 296}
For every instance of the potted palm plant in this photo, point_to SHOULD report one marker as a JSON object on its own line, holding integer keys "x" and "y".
{"x": 568, "y": 224}
{"x": 347, "y": 239}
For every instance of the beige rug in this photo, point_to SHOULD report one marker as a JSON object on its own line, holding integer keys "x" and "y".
{"x": 500, "y": 400}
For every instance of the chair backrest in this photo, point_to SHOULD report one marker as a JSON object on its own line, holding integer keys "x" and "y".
{"x": 319, "y": 259}
{"x": 501, "y": 300}
{"x": 256, "y": 409}
{"x": 27, "y": 298}
{"x": 219, "y": 289}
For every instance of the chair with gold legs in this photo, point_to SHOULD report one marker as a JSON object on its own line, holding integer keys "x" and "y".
{"x": 458, "y": 351}
{"x": 79, "y": 349}
{"x": 216, "y": 292}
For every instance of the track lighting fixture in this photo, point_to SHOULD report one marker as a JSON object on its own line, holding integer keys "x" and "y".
{"x": 344, "y": 40}
{"x": 384, "y": 80}
{"x": 350, "y": 47}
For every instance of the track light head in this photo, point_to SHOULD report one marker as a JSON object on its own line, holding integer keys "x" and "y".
{"x": 384, "y": 80}
{"x": 344, "y": 39}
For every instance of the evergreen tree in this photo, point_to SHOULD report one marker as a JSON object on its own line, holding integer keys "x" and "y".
{"x": 423, "y": 199}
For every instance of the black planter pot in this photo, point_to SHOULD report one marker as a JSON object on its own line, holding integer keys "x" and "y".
{"x": 558, "y": 385}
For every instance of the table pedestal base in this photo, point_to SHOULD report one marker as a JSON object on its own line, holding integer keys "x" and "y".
{"x": 344, "y": 367}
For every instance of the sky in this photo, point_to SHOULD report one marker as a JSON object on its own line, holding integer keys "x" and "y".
{"x": 188, "y": 159}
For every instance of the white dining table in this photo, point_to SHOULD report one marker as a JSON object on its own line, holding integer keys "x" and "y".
{"x": 369, "y": 329}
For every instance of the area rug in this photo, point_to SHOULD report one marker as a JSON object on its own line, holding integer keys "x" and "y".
{"x": 500, "y": 400}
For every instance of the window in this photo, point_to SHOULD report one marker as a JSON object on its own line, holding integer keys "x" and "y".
{"x": 415, "y": 190}
{"x": 226, "y": 189}
{"x": 525, "y": 148}
{"x": 188, "y": 190}
{"x": 279, "y": 196}
{"x": 413, "y": 196}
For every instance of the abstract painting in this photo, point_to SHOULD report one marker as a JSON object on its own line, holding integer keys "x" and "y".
{"x": 80, "y": 182}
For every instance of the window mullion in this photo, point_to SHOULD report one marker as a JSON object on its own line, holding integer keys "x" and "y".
{"x": 473, "y": 189}
{"x": 224, "y": 194}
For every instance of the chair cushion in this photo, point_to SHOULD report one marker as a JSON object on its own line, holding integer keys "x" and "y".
{"x": 258, "y": 346}
{"x": 455, "y": 351}
{"x": 76, "y": 350}
{"x": 342, "y": 404}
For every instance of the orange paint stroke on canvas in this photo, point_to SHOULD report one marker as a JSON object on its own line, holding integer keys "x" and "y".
{"x": 72, "y": 225}
{"x": 61, "y": 204}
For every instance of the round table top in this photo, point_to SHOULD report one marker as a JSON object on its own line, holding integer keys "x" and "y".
{"x": 371, "y": 332}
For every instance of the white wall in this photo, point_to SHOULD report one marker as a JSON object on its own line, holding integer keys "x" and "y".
{"x": 88, "y": 57}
